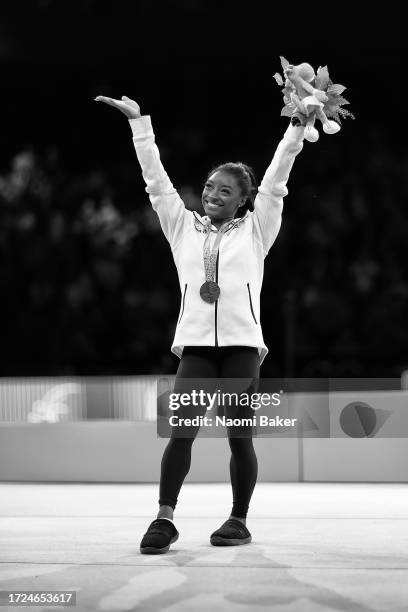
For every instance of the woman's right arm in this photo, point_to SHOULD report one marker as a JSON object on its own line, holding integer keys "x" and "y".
{"x": 163, "y": 196}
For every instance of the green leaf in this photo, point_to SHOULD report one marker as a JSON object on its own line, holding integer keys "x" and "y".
{"x": 331, "y": 98}
{"x": 278, "y": 78}
{"x": 286, "y": 112}
{"x": 341, "y": 100}
{"x": 284, "y": 62}
{"x": 336, "y": 89}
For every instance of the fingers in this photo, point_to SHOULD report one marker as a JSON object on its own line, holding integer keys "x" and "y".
{"x": 130, "y": 102}
{"x": 128, "y": 107}
{"x": 106, "y": 100}
{"x": 115, "y": 102}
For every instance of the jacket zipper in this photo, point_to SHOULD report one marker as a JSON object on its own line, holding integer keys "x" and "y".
{"x": 216, "y": 304}
{"x": 250, "y": 303}
{"x": 182, "y": 307}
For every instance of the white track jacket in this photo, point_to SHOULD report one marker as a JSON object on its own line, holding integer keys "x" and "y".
{"x": 234, "y": 318}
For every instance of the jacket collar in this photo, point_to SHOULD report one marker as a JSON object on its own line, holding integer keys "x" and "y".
{"x": 201, "y": 223}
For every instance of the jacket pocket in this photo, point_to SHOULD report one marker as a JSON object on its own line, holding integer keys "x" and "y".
{"x": 250, "y": 303}
{"x": 182, "y": 304}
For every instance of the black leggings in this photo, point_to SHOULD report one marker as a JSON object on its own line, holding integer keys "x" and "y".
{"x": 213, "y": 362}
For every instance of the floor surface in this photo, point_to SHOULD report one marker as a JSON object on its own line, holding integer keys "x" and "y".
{"x": 316, "y": 547}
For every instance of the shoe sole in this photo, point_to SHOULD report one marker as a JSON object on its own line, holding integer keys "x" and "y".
{"x": 218, "y": 541}
{"x": 151, "y": 550}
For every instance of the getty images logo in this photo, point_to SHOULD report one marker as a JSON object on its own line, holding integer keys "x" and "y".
{"x": 52, "y": 407}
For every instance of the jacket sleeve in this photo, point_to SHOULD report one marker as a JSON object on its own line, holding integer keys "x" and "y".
{"x": 268, "y": 203}
{"x": 164, "y": 198}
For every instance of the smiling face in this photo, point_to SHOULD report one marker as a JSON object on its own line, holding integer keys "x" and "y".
{"x": 221, "y": 197}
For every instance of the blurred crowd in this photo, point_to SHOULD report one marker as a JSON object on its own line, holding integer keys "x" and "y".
{"x": 88, "y": 285}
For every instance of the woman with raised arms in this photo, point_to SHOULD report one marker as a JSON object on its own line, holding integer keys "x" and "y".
{"x": 220, "y": 262}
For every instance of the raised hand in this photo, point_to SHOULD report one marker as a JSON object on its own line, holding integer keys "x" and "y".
{"x": 128, "y": 107}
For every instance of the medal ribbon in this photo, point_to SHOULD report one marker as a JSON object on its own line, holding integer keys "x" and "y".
{"x": 210, "y": 255}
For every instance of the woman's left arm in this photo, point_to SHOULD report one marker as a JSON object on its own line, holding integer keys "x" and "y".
{"x": 268, "y": 203}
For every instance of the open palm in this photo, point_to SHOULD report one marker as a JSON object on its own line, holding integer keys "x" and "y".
{"x": 128, "y": 107}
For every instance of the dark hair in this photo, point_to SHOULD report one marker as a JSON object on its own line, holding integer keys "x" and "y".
{"x": 246, "y": 181}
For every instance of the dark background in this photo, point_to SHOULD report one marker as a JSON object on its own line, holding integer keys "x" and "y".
{"x": 87, "y": 282}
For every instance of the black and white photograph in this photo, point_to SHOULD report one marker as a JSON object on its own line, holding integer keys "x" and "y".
{"x": 204, "y": 306}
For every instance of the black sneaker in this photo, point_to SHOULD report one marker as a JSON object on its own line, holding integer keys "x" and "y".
{"x": 231, "y": 533}
{"x": 158, "y": 537}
